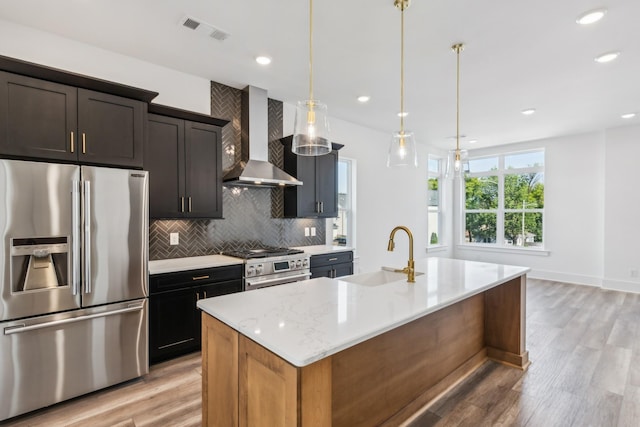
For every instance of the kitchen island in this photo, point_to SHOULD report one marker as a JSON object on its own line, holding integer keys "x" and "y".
{"x": 363, "y": 350}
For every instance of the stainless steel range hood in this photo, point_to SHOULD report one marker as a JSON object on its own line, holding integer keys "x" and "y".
{"x": 254, "y": 169}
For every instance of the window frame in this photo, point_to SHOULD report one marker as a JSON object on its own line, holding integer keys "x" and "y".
{"x": 440, "y": 176}
{"x": 500, "y": 210}
{"x": 349, "y": 212}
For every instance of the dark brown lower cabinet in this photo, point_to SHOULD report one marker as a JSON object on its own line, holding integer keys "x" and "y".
{"x": 174, "y": 320}
{"x": 332, "y": 265}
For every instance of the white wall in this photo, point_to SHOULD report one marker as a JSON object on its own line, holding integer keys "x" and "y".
{"x": 591, "y": 208}
{"x": 622, "y": 209}
{"x": 175, "y": 88}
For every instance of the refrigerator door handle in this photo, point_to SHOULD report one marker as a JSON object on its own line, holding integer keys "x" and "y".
{"x": 75, "y": 238}
{"x": 22, "y": 328}
{"x": 87, "y": 237}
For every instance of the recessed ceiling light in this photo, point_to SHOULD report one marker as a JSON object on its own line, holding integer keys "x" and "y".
{"x": 473, "y": 141}
{"x": 591, "y": 16}
{"x": 364, "y": 98}
{"x": 628, "y": 115}
{"x": 607, "y": 57}
{"x": 528, "y": 111}
{"x": 403, "y": 114}
{"x": 263, "y": 60}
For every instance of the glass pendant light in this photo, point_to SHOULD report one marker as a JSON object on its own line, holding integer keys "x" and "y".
{"x": 311, "y": 126}
{"x": 402, "y": 151}
{"x": 457, "y": 158}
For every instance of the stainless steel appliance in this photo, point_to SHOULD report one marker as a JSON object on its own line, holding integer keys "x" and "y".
{"x": 73, "y": 281}
{"x": 268, "y": 266}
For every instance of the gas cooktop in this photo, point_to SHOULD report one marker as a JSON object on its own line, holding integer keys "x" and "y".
{"x": 262, "y": 252}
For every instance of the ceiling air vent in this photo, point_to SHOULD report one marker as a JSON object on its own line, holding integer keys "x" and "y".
{"x": 204, "y": 28}
{"x": 191, "y": 23}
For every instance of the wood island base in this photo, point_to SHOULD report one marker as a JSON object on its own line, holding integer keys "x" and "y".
{"x": 383, "y": 381}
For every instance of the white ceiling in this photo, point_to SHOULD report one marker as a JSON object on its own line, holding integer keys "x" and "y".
{"x": 519, "y": 54}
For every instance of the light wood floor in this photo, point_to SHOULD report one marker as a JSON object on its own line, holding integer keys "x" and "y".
{"x": 584, "y": 344}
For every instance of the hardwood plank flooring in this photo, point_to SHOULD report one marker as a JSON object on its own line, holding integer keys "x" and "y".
{"x": 584, "y": 344}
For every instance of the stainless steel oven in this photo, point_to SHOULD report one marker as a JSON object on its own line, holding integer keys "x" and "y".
{"x": 269, "y": 266}
{"x": 271, "y": 271}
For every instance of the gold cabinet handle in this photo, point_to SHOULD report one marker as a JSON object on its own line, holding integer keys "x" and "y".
{"x": 73, "y": 148}
{"x": 181, "y": 204}
{"x": 199, "y": 277}
{"x": 189, "y": 204}
{"x": 84, "y": 143}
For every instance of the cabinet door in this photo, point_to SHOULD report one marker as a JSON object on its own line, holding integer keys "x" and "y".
{"x": 327, "y": 184}
{"x": 322, "y": 271}
{"x": 307, "y": 200}
{"x": 344, "y": 269}
{"x": 173, "y": 324}
{"x": 164, "y": 159}
{"x": 203, "y": 166}
{"x": 37, "y": 118}
{"x": 110, "y": 128}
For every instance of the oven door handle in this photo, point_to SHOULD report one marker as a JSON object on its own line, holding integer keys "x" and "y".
{"x": 286, "y": 279}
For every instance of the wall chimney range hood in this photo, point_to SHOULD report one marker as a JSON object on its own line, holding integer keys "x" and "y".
{"x": 254, "y": 169}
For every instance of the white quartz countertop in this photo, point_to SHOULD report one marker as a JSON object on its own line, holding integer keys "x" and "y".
{"x": 306, "y": 321}
{"x": 323, "y": 249}
{"x": 191, "y": 263}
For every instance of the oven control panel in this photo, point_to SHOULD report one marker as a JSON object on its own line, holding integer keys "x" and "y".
{"x": 272, "y": 265}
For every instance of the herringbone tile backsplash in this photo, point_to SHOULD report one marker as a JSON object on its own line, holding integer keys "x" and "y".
{"x": 252, "y": 216}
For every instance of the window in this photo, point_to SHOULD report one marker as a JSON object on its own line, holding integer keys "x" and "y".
{"x": 343, "y": 225}
{"x": 504, "y": 200}
{"x": 434, "y": 202}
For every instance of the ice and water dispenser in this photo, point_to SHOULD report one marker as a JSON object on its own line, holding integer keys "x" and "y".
{"x": 39, "y": 263}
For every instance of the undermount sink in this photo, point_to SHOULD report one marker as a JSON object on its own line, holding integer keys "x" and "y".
{"x": 385, "y": 275}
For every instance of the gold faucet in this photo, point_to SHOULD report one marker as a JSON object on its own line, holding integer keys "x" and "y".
{"x": 410, "y": 268}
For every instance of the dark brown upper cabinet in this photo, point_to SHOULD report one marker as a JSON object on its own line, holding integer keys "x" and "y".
{"x": 42, "y": 119}
{"x": 184, "y": 161}
{"x": 318, "y": 196}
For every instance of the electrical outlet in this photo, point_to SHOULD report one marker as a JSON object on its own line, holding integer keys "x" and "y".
{"x": 174, "y": 239}
{"x": 633, "y": 272}
{"x": 306, "y": 232}
{"x": 313, "y": 231}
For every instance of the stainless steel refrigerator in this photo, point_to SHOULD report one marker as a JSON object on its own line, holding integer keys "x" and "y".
{"x": 73, "y": 271}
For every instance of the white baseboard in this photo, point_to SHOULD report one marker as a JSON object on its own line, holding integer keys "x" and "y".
{"x": 557, "y": 276}
{"x": 621, "y": 285}
{"x": 577, "y": 279}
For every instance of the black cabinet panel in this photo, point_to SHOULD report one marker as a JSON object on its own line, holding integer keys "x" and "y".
{"x": 203, "y": 170}
{"x": 332, "y": 265}
{"x": 173, "y": 324}
{"x": 174, "y": 320}
{"x": 185, "y": 168}
{"x": 165, "y": 162}
{"x": 110, "y": 128}
{"x": 318, "y": 196}
{"x": 37, "y": 118}
{"x": 45, "y": 120}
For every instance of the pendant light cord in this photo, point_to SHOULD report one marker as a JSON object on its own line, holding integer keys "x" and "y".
{"x": 311, "y": 53}
{"x": 458, "y": 48}
{"x": 402, "y": 7}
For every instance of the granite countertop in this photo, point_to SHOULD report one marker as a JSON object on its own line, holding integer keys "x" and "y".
{"x": 323, "y": 249}
{"x": 191, "y": 263}
{"x": 306, "y": 321}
